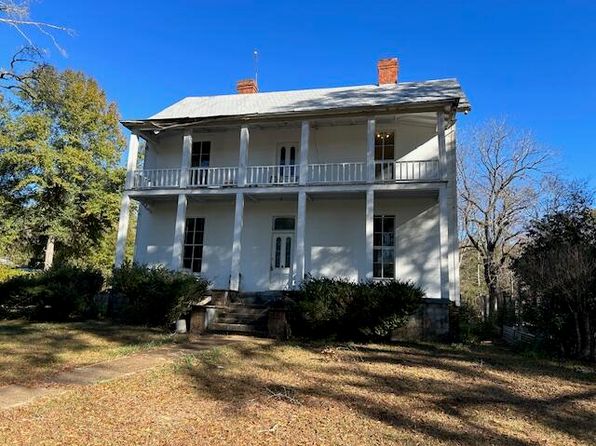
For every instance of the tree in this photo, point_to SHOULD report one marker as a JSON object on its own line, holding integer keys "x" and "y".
{"x": 59, "y": 166}
{"x": 557, "y": 268}
{"x": 498, "y": 173}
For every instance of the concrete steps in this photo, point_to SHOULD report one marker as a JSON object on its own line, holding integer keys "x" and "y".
{"x": 243, "y": 314}
{"x": 252, "y": 329}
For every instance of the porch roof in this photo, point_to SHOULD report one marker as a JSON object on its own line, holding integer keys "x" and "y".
{"x": 312, "y": 101}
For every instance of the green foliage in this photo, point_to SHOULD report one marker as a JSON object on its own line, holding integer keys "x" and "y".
{"x": 472, "y": 328}
{"x": 155, "y": 296}
{"x": 57, "y": 294}
{"x": 7, "y": 273}
{"x": 342, "y": 309}
{"x": 60, "y": 177}
{"x": 557, "y": 272}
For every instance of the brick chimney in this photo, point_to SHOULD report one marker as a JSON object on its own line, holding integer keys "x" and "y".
{"x": 247, "y": 86}
{"x": 388, "y": 70}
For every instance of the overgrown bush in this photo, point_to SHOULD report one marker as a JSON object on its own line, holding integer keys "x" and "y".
{"x": 338, "y": 308}
{"x": 7, "y": 273}
{"x": 154, "y": 296}
{"x": 57, "y": 294}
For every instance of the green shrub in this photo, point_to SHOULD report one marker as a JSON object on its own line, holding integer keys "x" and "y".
{"x": 154, "y": 296}
{"x": 7, "y": 273}
{"x": 338, "y": 308}
{"x": 57, "y": 294}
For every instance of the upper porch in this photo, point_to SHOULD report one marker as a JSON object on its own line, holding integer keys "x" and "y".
{"x": 387, "y": 149}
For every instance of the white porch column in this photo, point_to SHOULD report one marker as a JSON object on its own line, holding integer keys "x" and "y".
{"x": 370, "y": 215}
{"x": 444, "y": 241}
{"x": 370, "y": 152}
{"x": 131, "y": 164}
{"x": 243, "y": 157}
{"x": 304, "y": 137}
{"x": 178, "y": 246}
{"x": 300, "y": 231}
{"x": 237, "y": 243}
{"x": 442, "y": 147}
{"x": 186, "y": 157}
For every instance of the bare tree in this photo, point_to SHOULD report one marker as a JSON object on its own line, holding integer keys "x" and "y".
{"x": 16, "y": 14}
{"x": 499, "y": 170}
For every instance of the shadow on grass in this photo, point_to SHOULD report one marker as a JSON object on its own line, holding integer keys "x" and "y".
{"x": 411, "y": 387}
{"x": 30, "y": 351}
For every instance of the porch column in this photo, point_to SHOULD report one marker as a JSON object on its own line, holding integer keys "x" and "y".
{"x": 304, "y": 137}
{"x": 178, "y": 246}
{"x": 243, "y": 157}
{"x": 444, "y": 241}
{"x": 186, "y": 159}
{"x": 442, "y": 146}
{"x": 370, "y": 215}
{"x": 237, "y": 243}
{"x": 370, "y": 152}
{"x": 300, "y": 231}
{"x": 133, "y": 149}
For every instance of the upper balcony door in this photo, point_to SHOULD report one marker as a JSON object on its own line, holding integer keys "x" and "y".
{"x": 385, "y": 156}
{"x": 199, "y": 163}
{"x": 286, "y": 161}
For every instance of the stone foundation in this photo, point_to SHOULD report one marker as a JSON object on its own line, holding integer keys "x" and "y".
{"x": 430, "y": 322}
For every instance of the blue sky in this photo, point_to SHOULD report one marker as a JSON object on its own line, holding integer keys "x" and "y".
{"x": 532, "y": 61}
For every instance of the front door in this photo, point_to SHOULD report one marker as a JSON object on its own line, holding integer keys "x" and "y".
{"x": 282, "y": 252}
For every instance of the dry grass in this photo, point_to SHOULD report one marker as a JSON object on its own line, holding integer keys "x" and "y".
{"x": 260, "y": 392}
{"x": 30, "y": 352}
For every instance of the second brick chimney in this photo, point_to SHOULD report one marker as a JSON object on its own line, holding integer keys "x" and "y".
{"x": 247, "y": 86}
{"x": 388, "y": 70}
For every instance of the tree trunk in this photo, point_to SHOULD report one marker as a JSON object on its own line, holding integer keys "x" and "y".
{"x": 578, "y": 334}
{"x": 588, "y": 348}
{"x": 49, "y": 257}
{"x": 490, "y": 278}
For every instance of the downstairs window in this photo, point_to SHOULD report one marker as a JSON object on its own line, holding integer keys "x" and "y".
{"x": 384, "y": 247}
{"x": 193, "y": 244}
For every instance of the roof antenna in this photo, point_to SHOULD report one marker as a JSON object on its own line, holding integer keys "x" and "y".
{"x": 255, "y": 54}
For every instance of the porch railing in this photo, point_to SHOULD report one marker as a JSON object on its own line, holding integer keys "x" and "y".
{"x": 212, "y": 176}
{"x": 336, "y": 173}
{"x": 287, "y": 175}
{"x": 156, "y": 178}
{"x": 272, "y": 175}
{"x": 392, "y": 171}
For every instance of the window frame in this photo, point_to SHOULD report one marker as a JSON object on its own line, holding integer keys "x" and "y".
{"x": 195, "y": 243}
{"x": 384, "y": 247}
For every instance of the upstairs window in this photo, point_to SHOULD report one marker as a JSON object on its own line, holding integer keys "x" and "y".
{"x": 201, "y": 154}
{"x": 384, "y": 247}
{"x": 385, "y": 146}
{"x": 193, "y": 244}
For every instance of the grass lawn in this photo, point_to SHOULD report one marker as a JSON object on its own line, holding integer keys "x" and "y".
{"x": 260, "y": 392}
{"x": 32, "y": 351}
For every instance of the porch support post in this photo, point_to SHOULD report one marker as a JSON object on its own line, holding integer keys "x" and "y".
{"x": 442, "y": 146}
{"x": 304, "y": 137}
{"x": 243, "y": 157}
{"x": 370, "y": 215}
{"x": 300, "y": 231}
{"x": 237, "y": 243}
{"x": 370, "y": 151}
{"x": 178, "y": 246}
{"x": 122, "y": 230}
{"x": 131, "y": 164}
{"x": 444, "y": 241}
{"x": 186, "y": 159}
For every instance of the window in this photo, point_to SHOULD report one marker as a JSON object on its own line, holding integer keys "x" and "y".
{"x": 201, "y": 154}
{"x": 384, "y": 247}
{"x": 193, "y": 244}
{"x": 283, "y": 223}
{"x": 384, "y": 156}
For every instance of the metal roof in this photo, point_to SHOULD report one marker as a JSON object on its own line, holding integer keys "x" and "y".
{"x": 297, "y": 101}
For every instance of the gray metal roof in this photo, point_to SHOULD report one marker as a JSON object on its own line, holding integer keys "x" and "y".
{"x": 283, "y": 102}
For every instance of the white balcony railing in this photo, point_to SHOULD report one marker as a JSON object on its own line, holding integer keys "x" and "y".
{"x": 212, "y": 176}
{"x": 391, "y": 171}
{"x": 336, "y": 173}
{"x": 272, "y": 175}
{"x": 156, "y": 178}
{"x": 287, "y": 175}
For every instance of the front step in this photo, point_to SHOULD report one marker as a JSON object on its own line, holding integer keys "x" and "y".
{"x": 252, "y": 329}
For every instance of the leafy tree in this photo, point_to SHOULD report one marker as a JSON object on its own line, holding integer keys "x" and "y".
{"x": 557, "y": 270}
{"x": 59, "y": 166}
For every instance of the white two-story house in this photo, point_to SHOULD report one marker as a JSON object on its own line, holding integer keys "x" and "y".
{"x": 255, "y": 190}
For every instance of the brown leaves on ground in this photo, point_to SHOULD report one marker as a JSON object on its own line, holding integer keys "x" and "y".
{"x": 260, "y": 392}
